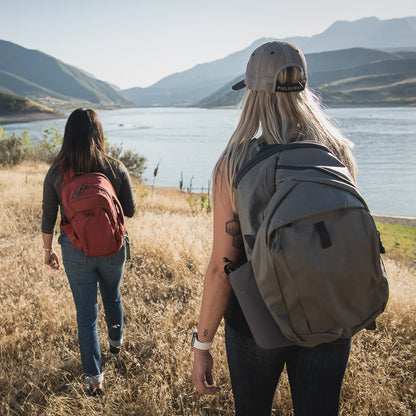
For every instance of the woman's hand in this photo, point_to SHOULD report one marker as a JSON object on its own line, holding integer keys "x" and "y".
{"x": 202, "y": 372}
{"x": 51, "y": 259}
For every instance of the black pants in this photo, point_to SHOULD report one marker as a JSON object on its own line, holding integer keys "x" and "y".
{"x": 315, "y": 375}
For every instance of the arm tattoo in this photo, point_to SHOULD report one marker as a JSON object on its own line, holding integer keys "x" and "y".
{"x": 233, "y": 228}
{"x": 205, "y": 333}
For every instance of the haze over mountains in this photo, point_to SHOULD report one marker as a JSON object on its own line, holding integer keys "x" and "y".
{"x": 192, "y": 86}
{"x": 356, "y": 76}
{"x": 366, "y": 62}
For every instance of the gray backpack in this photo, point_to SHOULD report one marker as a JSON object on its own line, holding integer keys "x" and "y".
{"x": 314, "y": 272}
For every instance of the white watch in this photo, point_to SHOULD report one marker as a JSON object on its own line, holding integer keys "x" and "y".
{"x": 198, "y": 344}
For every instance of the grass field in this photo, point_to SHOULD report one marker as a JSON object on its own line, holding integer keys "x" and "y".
{"x": 399, "y": 241}
{"x": 40, "y": 369}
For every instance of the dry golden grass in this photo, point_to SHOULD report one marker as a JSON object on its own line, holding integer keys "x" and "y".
{"x": 40, "y": 369}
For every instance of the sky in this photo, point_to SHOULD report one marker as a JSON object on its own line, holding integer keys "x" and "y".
{"x": 135, "y": 43}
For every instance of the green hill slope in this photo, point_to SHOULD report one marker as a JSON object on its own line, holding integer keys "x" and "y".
{"x": 36, "y": 75}
{"x": 389, "y": 67}
{"x": 14, "y": 109}
{"x": 25, "y": 88}
{"x": 395, "y": 93}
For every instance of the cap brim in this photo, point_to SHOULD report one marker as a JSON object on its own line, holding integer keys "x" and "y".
{"x": 239, "y": 86}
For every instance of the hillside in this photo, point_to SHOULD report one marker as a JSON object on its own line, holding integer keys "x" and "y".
{"x": 10, "y": 104}
{"x": 41, "y": 77}
{"x": 334, "y": 56}
{"x": 187, "y": 87}
{"x": 355, "y": 76}
{"x": 14, "y": 108}
{"x": 197, "y": 83}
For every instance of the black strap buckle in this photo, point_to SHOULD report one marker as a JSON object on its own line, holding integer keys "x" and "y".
{"x": 230, "y": 266}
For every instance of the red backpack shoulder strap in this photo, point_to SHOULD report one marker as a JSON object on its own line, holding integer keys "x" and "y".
{"x": 68, "y": 173}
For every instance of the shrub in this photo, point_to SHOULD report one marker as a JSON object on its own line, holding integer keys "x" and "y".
{"x": 13, "y": 149}
{"x": 50, "y": 145}
{"x": 135, "y": 163}
{"x": 16, "y": 149}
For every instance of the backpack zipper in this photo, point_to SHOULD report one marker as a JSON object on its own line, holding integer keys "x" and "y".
{"x": 79, "y": 191}
{"x": 320, "y": 169}
{"x": 82, "y": 187}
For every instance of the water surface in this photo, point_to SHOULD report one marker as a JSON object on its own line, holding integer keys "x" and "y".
{"x": 186, "y": 142}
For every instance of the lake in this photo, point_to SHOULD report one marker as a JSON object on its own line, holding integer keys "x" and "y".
{"x": 186, "y": 142}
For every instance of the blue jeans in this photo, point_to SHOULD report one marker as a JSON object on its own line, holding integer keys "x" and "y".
{"x": 315, "y": 375}
{"x": 83, "y": 274}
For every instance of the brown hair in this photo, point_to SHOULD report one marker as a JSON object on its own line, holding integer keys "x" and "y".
{"x": 83, "y": 146}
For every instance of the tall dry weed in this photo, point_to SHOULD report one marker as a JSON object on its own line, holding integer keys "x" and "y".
{"x": 40, "y": 369}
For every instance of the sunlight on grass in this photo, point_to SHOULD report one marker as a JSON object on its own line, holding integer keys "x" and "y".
{"x": 40, "y": 369}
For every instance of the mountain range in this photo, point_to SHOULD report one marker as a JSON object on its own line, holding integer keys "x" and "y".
{"x": 356, "y": 76}
{"x": 365, "y": 62}
{"x": 192, "y": 87}
{"x": 49, "y": 81}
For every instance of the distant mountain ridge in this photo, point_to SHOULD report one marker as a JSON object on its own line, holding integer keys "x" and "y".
{"x": 368, "y": 61}
{"x": 187, "y": 87}
{"x": 40, "y": 77}
{"x": 369, "y": 32}
{"x": 356, "y": 76}
{"x": 196, "y": 84}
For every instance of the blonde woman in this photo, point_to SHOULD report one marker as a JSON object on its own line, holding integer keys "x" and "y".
{"x": 277, "y": 108}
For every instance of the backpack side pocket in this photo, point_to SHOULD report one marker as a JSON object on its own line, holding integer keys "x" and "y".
{"x": 264, "y": 328}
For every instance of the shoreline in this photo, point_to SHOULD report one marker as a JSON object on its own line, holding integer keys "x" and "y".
{"x": 35, "y": 116}
{"x": 392, "y": 219}
{"x": 28, "y": 117}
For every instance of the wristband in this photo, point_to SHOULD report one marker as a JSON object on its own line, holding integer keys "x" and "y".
{"x": 48, "y": 249}
{"x": 198, "y": 344}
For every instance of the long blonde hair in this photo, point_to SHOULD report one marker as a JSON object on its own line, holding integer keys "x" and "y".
{"x": 282, "y": 117}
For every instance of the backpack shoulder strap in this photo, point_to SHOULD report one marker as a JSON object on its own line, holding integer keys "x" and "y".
{"x": 67, "y": 174}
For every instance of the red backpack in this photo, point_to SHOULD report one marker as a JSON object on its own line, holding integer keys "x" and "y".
{"x": 94, "y": 219}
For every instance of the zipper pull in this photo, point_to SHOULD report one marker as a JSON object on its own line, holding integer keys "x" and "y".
{"x": 79, "y": 192}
